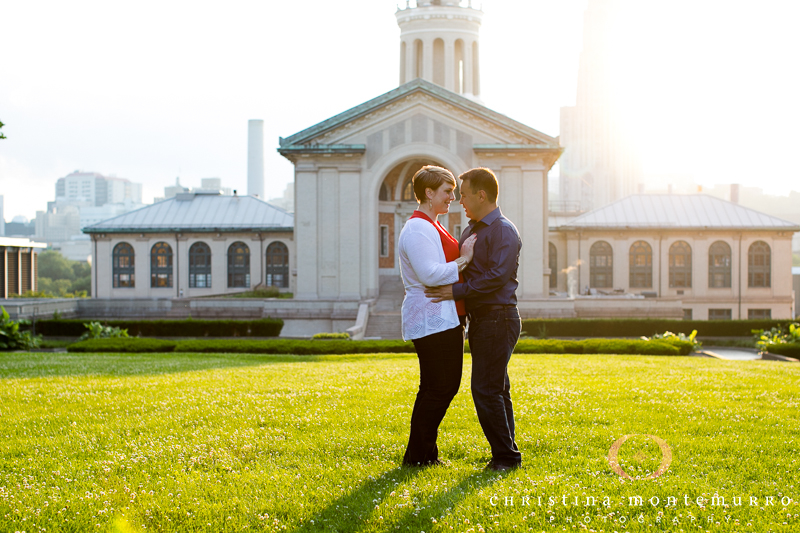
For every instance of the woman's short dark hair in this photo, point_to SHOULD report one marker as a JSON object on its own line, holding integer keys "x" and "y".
{"x": 432, "y": 177}
{"x": 481, "y": 179}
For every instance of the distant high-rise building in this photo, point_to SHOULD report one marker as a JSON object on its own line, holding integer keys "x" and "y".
{"x": 82, "y": 198}
{"x": 599, "y": 164}
{"x": 214, "y": 184}
{"x": 93, "y": 189}
{"x": 171, "y": 190}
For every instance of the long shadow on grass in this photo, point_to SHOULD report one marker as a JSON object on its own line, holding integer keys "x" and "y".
{"x": 355, "y": 511}
{"x": 439, "y": 506}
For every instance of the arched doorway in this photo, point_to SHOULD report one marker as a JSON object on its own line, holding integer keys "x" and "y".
{"x": 396, "y": 203}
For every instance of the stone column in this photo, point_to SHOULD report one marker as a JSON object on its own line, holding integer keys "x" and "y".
{"x": 534, "y": 218}
{"x": 411, "y": 59}
{"x": 449, "y": 65}
{"x": 350, "y": 225}
{"x": 427, "y": 59}
{"x": 468, "y": 68}
{"x": 305, "y": 228}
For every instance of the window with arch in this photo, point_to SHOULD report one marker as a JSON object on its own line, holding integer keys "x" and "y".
{"x": 408, "y": 192}
{"x": 552, "y": 253}
{"x": 199, "y": 266}
{"x": 277, "y": 265}
{"x": 719, "y": 265}
{"x": 458, "y": 75}
{"x": 759, "y": 265}
{"x": 680, "y": 264}
{"x": 383, "y": 194}
{"x": 601, "y": 265}
{"x": 641, "y": 265}
{"x": 123, "y": 270}
{"x": 238, "y": 265}
{"x": 161, "y": 265}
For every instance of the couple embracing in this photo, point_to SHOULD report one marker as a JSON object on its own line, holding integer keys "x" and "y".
{"x": 448, "y": 283}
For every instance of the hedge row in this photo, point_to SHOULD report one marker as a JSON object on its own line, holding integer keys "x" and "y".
{"x": 302, "y": 347}
{"x": 265, "y": 327}
{"x": 791, "y": 349}
{"x": 636, "y": 327}
{"x": 123, "y": 345}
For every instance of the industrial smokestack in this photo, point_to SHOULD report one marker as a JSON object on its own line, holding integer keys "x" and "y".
{"x": 255, "y": 158}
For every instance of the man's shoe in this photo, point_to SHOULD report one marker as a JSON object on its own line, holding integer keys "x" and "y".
{"x": 497, "y": 467}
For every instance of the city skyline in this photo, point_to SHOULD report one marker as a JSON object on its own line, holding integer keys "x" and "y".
{"x": 83, "y": 90}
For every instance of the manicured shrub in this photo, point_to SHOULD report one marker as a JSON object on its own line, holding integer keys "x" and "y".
{"x": 539, "y": 346}
{"x": 790, "y": 349}
{"x": 637, "y": 327}
{"x": 320, "y": 336}
{"x": 11, "y": 337}
{"x": 295, "y": 347}
{"x": 342, "y": 347}
{"x": 96, "y": 330}
{"x": 122, "y": 345}
{"x": 265, "y": 327}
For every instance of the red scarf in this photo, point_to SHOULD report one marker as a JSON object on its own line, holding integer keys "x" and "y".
{"x": 451, "y": 252}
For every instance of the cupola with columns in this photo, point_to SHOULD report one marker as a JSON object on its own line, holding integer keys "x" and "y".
{"x": 439, "y": 43}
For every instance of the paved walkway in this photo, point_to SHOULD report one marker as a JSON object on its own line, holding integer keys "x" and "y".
{"x": 735, "y": 354}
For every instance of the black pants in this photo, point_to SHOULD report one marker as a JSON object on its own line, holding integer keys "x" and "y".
{"x": 492, "y": 338}
{"x": 441, "y": 357}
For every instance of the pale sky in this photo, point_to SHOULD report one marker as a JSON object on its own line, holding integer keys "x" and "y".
{"x": 154, "y": 90}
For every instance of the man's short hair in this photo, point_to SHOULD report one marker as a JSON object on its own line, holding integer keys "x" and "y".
{"x": 432, "y": 177}
{"x": 481, "y": 179}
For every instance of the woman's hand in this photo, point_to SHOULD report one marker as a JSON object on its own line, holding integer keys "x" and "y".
{"x": 468, "y": 246}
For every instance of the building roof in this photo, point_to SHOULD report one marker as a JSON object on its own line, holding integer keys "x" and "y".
{"x": 17, "y": 242}
{"x": 305, "y": 138}
{"x": 679, "y": 211}
{"x": 200, "y": 212}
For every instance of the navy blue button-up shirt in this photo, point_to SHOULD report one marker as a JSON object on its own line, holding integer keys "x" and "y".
{"x": 491, "y": 277}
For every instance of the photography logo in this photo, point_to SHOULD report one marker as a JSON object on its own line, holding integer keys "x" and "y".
{"x": 666, "y": 457}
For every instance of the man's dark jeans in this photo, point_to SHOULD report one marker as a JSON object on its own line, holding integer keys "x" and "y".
{"x": 492, "y": 337}
{"x": 441, "y": 357}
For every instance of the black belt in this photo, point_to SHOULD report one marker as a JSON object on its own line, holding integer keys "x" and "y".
{"x": 486, "y": 309}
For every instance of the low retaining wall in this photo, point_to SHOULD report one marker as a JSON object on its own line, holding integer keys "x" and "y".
{"x": 301, "y": 317}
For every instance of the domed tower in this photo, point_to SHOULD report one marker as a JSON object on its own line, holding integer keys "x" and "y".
{"x": 439, "y": 43}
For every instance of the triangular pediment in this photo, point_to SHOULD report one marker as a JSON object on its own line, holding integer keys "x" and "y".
{"x": 353, "y": 127}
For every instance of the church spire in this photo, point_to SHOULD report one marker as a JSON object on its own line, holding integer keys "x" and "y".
{"x": 439, "y": 43}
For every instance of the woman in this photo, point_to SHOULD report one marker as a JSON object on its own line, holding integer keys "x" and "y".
{"x": 430, "y": 256}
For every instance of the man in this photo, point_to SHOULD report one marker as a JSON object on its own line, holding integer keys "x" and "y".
{"x": 489, "y": 290}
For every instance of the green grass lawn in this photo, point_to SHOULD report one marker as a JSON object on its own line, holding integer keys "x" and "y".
{"x": 285, "y": 443}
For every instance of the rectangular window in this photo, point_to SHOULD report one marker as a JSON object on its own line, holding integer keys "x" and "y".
{"x": 199, "y": 281}
{"x": 687, "y": 314}
{"x": 384, "y": 241}
{"x": 457, "y": 232}
{"x": 720, "y": 314}
{"x": 759, "y": 314}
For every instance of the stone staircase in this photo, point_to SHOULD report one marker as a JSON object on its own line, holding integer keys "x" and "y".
{"x": 384, "y": 319}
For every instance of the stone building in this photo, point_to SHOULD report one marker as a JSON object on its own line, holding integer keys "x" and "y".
{"x": 195, "y": 244}
{"x": 657, "y": 256}
{"x": 692, "y": 256}
{"x": 19, "y": 265}
{"x": 353, "y": 171}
